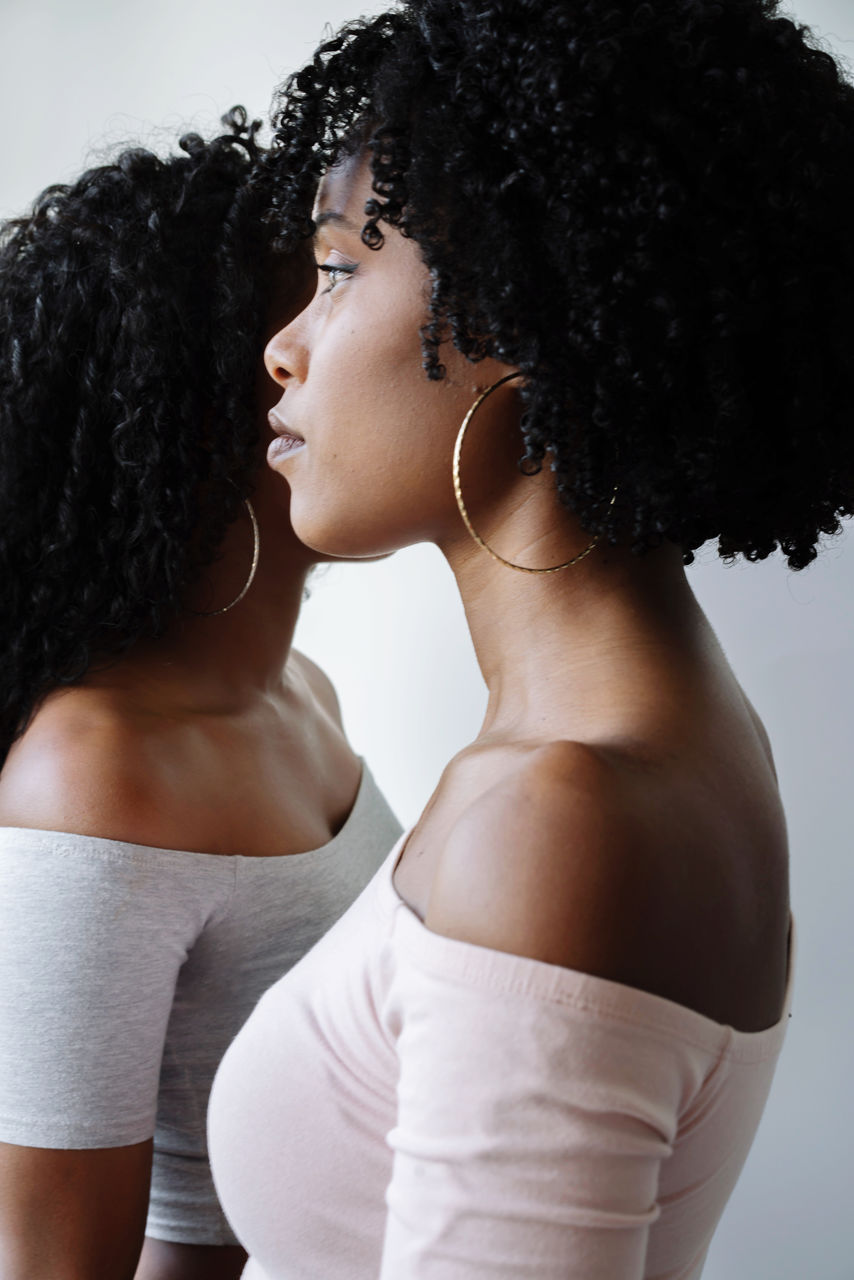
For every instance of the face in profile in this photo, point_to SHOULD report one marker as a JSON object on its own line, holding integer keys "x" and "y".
{"x": 291, "y": 291}
{"x": 364, "y": 439}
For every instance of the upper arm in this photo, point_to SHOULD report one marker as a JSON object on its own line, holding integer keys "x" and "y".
{"x": 530, "y": 1129}
{"x": 546, "y": 865}
{"x": 529, "y": 1136}
{"x": 166, "y": 1260}
{"x": 531, "y": 1126}
{"x": 91, "y": 944}
{"x": 72, "y": 1215}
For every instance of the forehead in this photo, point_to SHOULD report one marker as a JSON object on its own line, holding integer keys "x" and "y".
{"x": 339, "y": 212}
{"x": 344, "y": 189}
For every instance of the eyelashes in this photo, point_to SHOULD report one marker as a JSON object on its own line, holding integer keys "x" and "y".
{"x": 334, "y": 273}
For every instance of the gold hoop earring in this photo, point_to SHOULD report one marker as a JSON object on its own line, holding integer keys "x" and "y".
{"x": 256, "y": 551}
{"x": 458, "y": 492}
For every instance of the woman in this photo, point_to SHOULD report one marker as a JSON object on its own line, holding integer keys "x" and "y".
{"x": 182, "y": 815}
{"x": 616, "y": 238}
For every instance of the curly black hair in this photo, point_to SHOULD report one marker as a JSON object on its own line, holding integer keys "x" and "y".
{"x": 646, "y": 208}
{"x": 131, "y": 308}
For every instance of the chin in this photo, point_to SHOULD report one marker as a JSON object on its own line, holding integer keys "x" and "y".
{"x": 345, "y": 538}
{"x": 341, "y": 538}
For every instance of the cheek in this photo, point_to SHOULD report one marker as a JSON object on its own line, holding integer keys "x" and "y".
{"x": 376, "y": 474}
{"x": 366, "y": 394}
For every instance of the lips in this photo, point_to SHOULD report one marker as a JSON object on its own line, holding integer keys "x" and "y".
{"x": 287, "y": 440}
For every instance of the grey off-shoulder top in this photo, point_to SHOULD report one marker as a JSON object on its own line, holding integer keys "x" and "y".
{"x": 126, "y": 971}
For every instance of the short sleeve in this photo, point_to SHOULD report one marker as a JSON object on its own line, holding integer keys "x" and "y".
{"x": 531, "y": 1127}
{"x": 92, "y": 936}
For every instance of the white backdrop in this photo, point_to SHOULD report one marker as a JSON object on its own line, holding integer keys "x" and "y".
{"x": 78, "y": 77}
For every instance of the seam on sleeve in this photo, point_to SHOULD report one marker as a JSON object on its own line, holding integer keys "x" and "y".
{"x": 29, "y": 1131}
{"x": 467, "y": 964}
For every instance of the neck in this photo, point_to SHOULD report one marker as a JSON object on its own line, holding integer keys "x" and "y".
{"x": 228, "y": 661}
{"x": 582, "y": 652}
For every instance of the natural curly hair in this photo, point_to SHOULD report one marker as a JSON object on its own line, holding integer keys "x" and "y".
{"x": 647, "y": 208}
{"x": 131, "y": 308}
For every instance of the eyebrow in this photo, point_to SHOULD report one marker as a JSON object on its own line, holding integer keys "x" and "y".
{"x": 333, "y": 216}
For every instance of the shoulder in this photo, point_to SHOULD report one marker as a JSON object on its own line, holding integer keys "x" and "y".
{"x": 86, "y": 767}
{"x": 319, "y": 684}
{"x": 761, "y": 733}
{"x": 550, "y": 863}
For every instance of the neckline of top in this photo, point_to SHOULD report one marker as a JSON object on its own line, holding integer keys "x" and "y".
{"x": 573, "y": 986}
{"x": 112, "y": 845}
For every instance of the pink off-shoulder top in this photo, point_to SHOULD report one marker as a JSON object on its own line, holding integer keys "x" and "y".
{"x": 406, "y": 1106}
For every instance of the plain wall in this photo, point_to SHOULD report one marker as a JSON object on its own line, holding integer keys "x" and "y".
{"x": 76, "y": 78}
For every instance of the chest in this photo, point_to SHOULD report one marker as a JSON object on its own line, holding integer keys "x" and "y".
{"x": 301, "y": 1107}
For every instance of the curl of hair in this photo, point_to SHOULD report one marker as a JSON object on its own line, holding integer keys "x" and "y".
{"x": 131, "y": 308}
{"x": 644, "y": 207}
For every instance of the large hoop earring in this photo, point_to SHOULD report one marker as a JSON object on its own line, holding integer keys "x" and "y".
{"x": 256, "y": 551}
{"x": 458, "y": 492}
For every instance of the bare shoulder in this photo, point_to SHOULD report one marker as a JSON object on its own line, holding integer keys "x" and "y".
{"x": 320, "y": 685}
{"x": 761, "y": 732}
{"x": 82, "y": 766}
{"x": 627, "y": 869}
{"x": 545, "y": 864}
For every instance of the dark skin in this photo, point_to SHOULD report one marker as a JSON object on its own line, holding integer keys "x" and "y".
{"x": 49, "y": 1201}
{"x": 165, "y": 1261}
{"x": 218, "y": 738}
{"x": 618, "y": 812}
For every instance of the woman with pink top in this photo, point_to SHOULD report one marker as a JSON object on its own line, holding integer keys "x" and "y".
{"x": 584, "y": 303}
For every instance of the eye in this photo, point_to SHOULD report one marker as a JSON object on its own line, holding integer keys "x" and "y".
{"x": 335, "y": 273}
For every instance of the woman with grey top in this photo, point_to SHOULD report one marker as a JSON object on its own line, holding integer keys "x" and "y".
{"x": 181, "y": 813}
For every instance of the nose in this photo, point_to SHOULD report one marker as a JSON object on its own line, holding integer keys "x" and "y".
{"x": 286, "y": 354}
